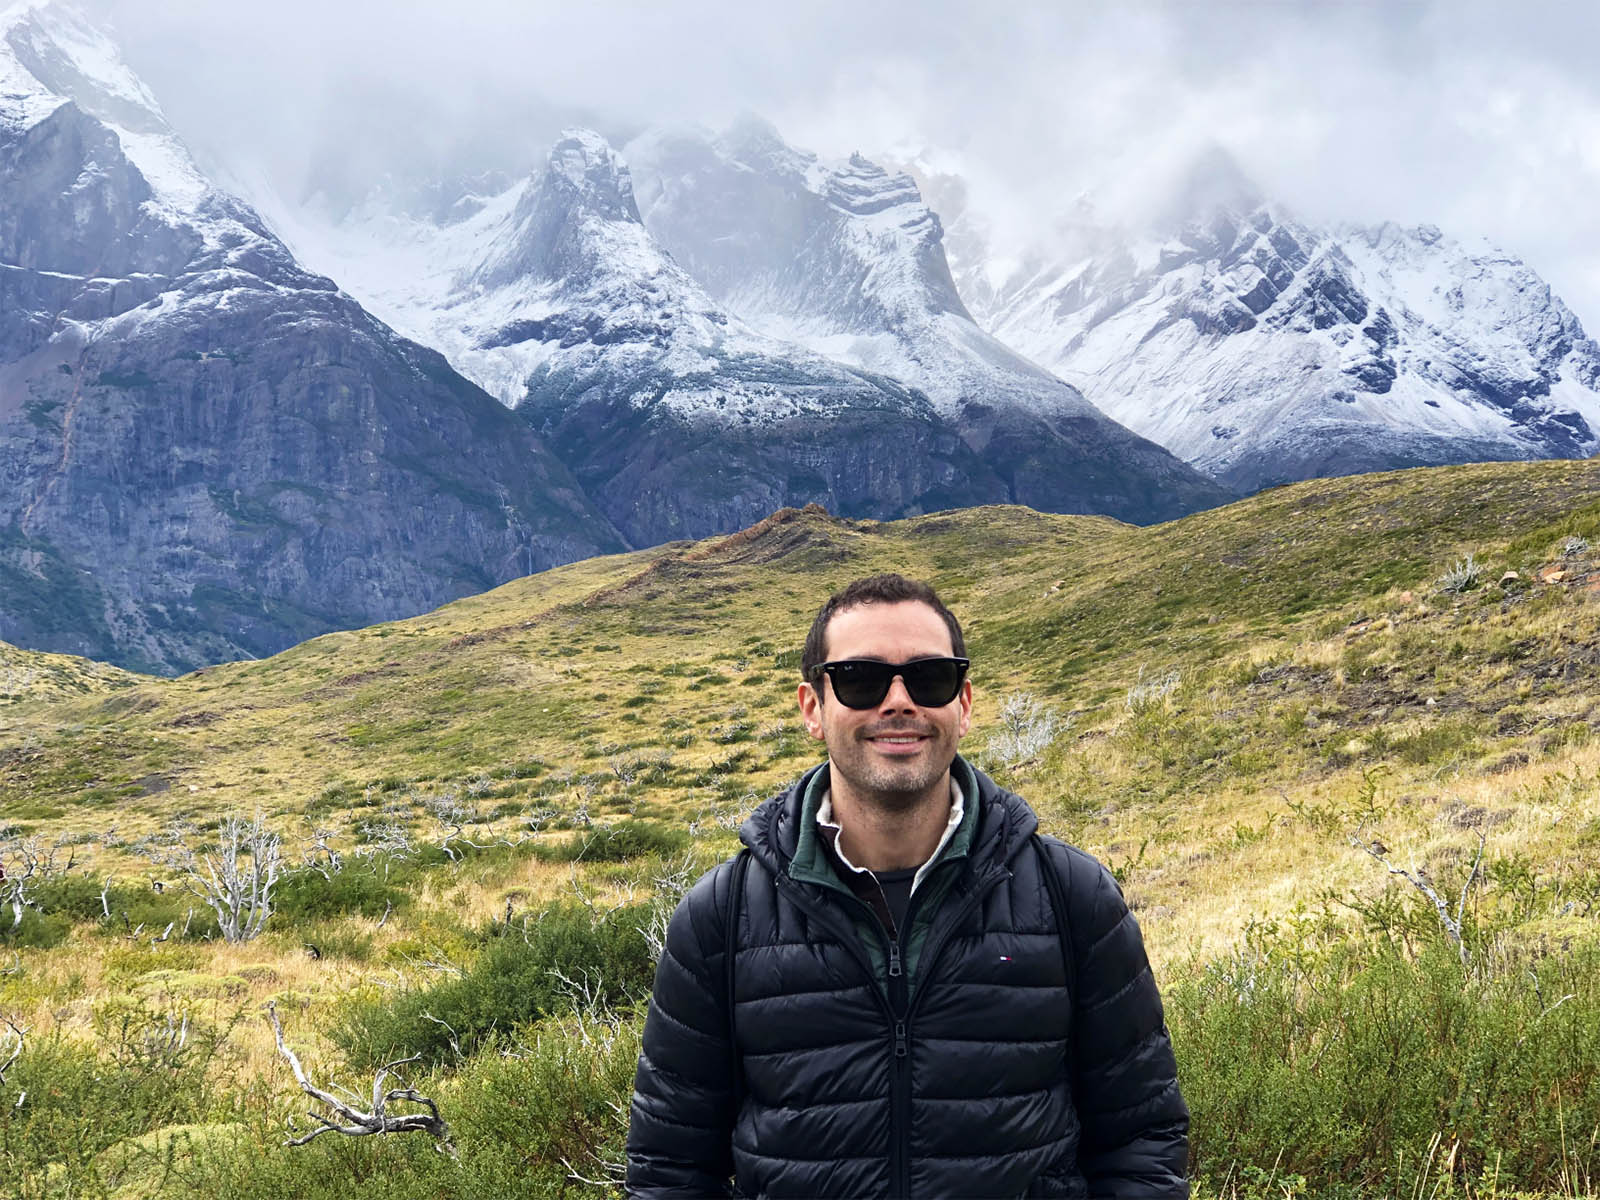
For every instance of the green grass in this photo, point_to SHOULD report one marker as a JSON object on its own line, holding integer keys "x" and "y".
{"x": 594, "y": 724}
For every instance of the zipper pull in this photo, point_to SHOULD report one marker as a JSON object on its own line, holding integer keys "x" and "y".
{"x": 900, "y": 1039}
{"x": 894, "y": 960}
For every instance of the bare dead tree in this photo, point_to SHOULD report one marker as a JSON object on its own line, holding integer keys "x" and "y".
{"x": 357, "y": 1122}
{"x": 32, "y": 861}
{"x": 237, "y": 882}
{"x": 21, "y": 1035}
{"x": 385, "y": 840}
{"x": 319, "y": 854}
{"x": 452, "y": 817}
{"x": 671, "y": 885}
{"x": 1418, "y": 879}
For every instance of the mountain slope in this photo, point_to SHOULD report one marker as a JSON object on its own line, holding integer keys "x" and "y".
{"x": 209, "y": 452}
{"x": 848, "y": 261}
{"x": 1262, "y": 349}
{"x": 677, "y": 417}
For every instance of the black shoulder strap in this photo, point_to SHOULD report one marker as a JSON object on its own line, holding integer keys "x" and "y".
{"x": 1057, "y": 887}
{"x": 730, "y": 951}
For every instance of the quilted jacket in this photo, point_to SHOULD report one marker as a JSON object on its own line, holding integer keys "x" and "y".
{"x": 963, "y": 1060}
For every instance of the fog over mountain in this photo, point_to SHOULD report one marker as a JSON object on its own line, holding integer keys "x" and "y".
{"x": 1481, "y": 118}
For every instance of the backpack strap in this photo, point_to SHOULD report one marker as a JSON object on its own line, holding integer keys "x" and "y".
{"x": 1056, "y": 885}
{"x": 730, "y": 951}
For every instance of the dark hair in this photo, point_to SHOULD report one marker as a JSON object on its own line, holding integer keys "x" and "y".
{"x": 874, "y": 589}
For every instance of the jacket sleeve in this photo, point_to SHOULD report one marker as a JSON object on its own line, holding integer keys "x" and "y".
{"x": 681, "y": 1122}
{"x": 1135, "y": 1140}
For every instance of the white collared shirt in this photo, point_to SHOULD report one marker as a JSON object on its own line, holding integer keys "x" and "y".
{"x": 957, "y": 809}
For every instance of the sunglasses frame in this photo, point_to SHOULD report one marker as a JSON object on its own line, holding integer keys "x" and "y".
{"x": 895, "y": 670}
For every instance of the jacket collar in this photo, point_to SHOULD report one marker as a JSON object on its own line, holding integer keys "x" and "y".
{"x": 783, "y": 836}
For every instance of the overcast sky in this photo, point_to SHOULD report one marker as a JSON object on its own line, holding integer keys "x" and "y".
{"x": 1481, "y": 118}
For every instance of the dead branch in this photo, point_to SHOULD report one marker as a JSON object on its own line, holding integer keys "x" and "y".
{"x": 1461, "y": 905}
{"x": 1452, "y": 925}
{"x": 21, "y": 1035}
{"x": 362, "y": 1124}
{"x": 237, "y": 884}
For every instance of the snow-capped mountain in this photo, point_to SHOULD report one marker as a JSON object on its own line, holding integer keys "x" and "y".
{"x": 848, "y": 261}
{"x": 205, "y": 450}
{"x": 1264, "y": 350}
{"x": 680, "y": 419}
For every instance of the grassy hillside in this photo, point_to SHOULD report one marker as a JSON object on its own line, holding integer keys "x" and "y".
{"x": 1235, "y": 696}
{"x": 33, "y": 677}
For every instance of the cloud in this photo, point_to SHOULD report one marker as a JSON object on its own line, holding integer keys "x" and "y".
{"x": 1475, "y": 116}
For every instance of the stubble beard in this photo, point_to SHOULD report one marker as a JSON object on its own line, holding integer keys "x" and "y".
{"x": 890, "y": 787}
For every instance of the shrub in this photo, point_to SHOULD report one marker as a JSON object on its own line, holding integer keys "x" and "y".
{"x": 36, "y": 931}
{"x": 557, "y": 1096}
{"x": 79, "y": 1102}
{"x": 616, "y": 843}
{"x": 1028, "y": 727}
{"x": 1345, "y": 1067}
{"x": 362, "y": 890}
{"x": 1462, "y": 576}
{"x": 513, "y": 981}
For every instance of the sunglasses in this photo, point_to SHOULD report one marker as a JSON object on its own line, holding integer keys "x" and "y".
{"x": 864, "y": 682}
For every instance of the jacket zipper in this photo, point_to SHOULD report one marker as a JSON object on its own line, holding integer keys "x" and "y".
{"x": 900, "y": 1155}
{"x": 893, "y": 1004}
{"x": 896, "y": 1005}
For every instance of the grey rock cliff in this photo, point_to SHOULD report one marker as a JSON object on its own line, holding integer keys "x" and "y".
{"x": 849, "y": 261}
{"x": 1262, "y": 349}
{"x": 207, "y": 452}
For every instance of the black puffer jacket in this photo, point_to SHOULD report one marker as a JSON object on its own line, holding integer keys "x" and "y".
{"x": 856, "y": 1076}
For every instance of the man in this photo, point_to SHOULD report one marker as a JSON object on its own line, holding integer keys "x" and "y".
{"x": 924, "y": 999}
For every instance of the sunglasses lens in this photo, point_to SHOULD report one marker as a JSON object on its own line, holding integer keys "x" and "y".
{"x": 931, "y": 683}
{"x": 861, "y": 684}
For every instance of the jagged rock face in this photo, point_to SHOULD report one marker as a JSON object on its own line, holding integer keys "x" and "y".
{"x": 205, "y": 451}
{"x": 677, "y": 418}
{"x": 1263, "y": 350}
{"x": 849, "y": 262}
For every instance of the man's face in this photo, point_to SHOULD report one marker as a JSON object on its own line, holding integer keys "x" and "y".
{"x": 897, "y": 752}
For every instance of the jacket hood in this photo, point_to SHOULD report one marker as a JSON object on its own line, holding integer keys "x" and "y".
{"x": 1005, "y": 822}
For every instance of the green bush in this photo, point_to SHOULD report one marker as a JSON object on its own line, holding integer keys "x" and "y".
{"x": 361, "y": 890}
{"x": 36, "y": 931}
{"x": 558, "y": 1094}
{"x": 79, "y": 1101}
{"x": 1344, "y": 1068}
{"x": 510, "y": 983}
{"x": 616, "y": 843}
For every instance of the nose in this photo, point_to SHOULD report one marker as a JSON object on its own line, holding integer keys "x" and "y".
{"x": 897, "y": 697}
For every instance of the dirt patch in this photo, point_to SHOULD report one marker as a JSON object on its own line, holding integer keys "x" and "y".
{"x": 194, "y": 720}
{"x": 364, "y": 676}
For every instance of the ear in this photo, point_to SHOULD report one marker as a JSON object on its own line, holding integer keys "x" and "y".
{"x": 965, "y": 701}
{"x": 810, "y": 701}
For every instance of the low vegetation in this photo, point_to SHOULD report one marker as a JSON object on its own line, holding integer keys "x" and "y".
{"x": 1357, "y": 813}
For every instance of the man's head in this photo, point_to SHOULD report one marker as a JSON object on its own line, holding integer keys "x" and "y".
{"x": 896, "y": 752}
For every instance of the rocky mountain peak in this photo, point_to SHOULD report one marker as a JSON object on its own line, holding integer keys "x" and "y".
{"x": 862, "y": 188}
{"x": 49, "y": 48}
{"x": 586, "y": 172}
{"x": 575, "y": 218}
{"x": 756, "y": 142}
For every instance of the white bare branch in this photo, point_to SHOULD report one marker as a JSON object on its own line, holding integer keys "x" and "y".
{"x": 1418, "y": 880}
{"x": 357, "y": 1122}
{"x": 21, "y": 1034}
{"x": 237, "y": 884}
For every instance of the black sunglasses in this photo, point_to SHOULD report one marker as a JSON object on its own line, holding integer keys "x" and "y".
{"x": 864, "y": 682}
